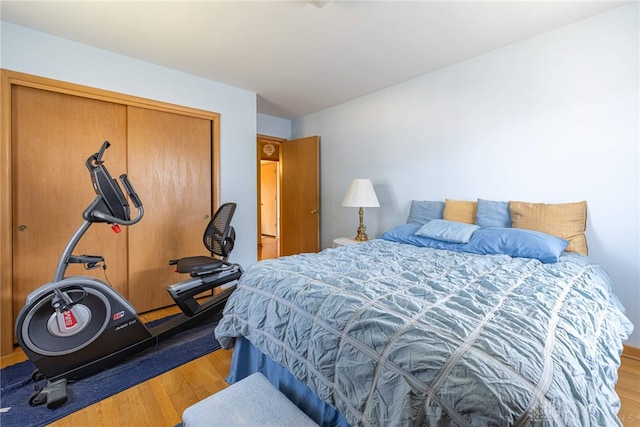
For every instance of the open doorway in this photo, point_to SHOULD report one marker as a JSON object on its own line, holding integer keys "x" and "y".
{"x": 268, "y": 197}
{"x": 269, "y": 210}
{"x": 297, "y": 212}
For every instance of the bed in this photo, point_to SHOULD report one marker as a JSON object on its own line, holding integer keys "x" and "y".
{"x": 413, "y": 330}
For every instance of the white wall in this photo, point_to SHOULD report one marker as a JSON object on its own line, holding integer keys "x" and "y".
{"x": 43, "y": 55}
{"x": 551, "y": 119}
{"x": 274, "y": 126}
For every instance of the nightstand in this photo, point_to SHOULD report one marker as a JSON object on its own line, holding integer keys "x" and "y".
{"x": 344, "y": 241}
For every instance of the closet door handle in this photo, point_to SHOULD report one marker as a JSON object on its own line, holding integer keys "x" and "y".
{"x": 22, "y": 227}
{"x": 314, "y": 211}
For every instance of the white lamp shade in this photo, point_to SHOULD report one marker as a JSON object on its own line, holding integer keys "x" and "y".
{"x": 361, "y": 195}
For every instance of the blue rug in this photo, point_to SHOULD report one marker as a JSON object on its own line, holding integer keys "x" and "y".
{"x": 17, "y": 385}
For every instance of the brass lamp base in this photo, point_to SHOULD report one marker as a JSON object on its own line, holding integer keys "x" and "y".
{"x": 361, "y": 236}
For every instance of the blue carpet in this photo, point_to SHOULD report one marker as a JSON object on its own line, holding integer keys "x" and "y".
{"x": 17, "y": 385}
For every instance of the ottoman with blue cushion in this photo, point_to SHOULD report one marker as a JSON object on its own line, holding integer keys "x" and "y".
{"x": 253, "y": 401}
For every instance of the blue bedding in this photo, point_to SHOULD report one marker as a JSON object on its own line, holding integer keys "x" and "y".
{"x": 247, "y": 360}
{"x": 393, "y": 334}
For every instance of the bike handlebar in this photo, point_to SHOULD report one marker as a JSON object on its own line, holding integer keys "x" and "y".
{"x": 124, "y": 179}
{"x": 114, "y": 220}
{"x": 100, "y": 153}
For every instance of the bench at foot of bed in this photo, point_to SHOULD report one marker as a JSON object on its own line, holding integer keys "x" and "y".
{"x": 252, "y": 401}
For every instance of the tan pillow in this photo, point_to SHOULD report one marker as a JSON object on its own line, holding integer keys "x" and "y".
{"x": 565, "y": 220}
{"x": 461, "y": 211}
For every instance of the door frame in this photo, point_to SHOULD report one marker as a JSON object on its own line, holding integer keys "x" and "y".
{"x": 8, "y": 79}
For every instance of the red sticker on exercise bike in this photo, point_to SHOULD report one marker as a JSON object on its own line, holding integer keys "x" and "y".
{"x": 69, "y": 319}
{"x": 118, "y": 315}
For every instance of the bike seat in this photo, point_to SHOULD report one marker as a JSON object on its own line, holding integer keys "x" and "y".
{"x": 219, "y": 239}
{"x": 199, "y": 265}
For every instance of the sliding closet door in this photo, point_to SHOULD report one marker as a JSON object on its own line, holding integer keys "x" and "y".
{"x": 170, "y": 166}
{"x": 52, "y": 134}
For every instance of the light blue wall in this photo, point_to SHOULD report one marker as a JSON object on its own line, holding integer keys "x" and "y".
{"x": 43, "y": 55}
{"x": 274, "y": 126}
{"x": 551, "y": 119}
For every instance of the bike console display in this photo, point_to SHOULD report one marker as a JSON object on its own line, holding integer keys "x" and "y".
{"x": 111, "y": 195}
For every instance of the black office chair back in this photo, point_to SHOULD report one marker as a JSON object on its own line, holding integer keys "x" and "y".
{"x": 219, "y": 237}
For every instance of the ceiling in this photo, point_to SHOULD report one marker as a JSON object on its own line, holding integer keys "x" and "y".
{"x": 300, "y": 58}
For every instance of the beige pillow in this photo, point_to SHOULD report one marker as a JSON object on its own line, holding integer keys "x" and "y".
{"x": 461, "y": 211}
{"x": 565, "y": 220}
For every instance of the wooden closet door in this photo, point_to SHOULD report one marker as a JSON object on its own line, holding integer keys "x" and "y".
{"x": 170, "y": 167}
{"x": 52, "y": 135}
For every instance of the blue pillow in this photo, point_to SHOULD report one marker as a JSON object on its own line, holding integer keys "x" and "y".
{"x": 424, "y": 211}
{"x": 406, "y": 233}
{"x": 448, "y": 231}
{"x": 493, "y": 214}
{"x": 517, "y": 242}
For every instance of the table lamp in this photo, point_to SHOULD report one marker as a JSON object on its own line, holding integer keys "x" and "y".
{"x": 361, "y": 195}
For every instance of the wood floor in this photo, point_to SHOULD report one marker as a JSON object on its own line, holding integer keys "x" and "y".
{"x": 628, "y": 388}
{"x": 161, "y": 400}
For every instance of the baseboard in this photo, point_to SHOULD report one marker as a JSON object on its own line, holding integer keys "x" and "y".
{"x": 631, "y": 352}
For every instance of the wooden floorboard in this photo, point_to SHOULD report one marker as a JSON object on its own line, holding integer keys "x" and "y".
{"x": 628, "y": 388}
{"x": 160, "y": 401}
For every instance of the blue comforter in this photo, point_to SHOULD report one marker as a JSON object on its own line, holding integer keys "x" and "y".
{"x": 392, "y": 334}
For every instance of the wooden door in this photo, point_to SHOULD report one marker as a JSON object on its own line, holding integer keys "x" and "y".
{"x": 269, "y": 198}
{"x": 52, "y": 134}
{"x": 170, "y": 158}
{"x": 300, "y": 196}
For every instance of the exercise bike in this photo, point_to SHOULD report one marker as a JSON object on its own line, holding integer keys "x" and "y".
{"x": 74, "y": 326}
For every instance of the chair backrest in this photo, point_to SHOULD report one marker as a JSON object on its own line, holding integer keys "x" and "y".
{"x": 219, "y": 236}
